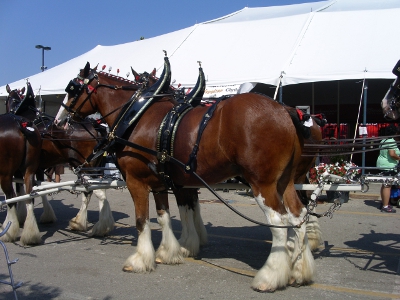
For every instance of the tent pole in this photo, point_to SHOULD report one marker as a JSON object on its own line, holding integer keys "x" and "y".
{"x": 364, "y": 122}
{"x": 338, "y": 110}
{"x": 312, "y": 99}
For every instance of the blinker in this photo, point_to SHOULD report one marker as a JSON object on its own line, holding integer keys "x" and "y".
{"x": 73, "y": 88}
{"x": 396, "y": 69}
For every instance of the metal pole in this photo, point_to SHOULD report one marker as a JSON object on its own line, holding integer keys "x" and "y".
{"x": 42, "y": 60}
{"x": 43, "y": 48}
{"x": 312, "y": 98}
{"x": 338, "y": 110}
{"x": 365, "y": 123}
{"x": 280, "y": 92}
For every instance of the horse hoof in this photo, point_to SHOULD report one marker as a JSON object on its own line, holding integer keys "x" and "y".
{"x": 159, "y": 260}
{"x": 294, "y": 283}
{"x": 76, "y": 226}
{"x": 263, "y": 291}
{"x": 128, "y": 269}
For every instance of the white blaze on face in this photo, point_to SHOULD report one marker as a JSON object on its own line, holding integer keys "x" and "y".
{"x": 62, "y": 112}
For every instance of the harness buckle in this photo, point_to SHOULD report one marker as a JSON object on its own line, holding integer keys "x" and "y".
{"x": 163, "y": 156}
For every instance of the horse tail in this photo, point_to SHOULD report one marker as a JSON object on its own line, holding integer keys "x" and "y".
{"x": 320, "y": 119}
{"x": 298, "y": 118}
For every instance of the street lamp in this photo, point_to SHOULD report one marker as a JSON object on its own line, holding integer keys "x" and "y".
{"x": 43, "y": 48}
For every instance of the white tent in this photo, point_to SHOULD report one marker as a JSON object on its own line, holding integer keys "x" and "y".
{"x": 309, "y": 42}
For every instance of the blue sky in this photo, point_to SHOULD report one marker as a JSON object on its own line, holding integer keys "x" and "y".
{"x": 74, "y": 27}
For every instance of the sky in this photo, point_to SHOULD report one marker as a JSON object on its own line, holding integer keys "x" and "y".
{"x": 73, "y": 27}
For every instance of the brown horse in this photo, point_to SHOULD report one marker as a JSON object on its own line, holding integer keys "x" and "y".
{"x": 248, "y": 135}
{"x": 390, "y": 103}
{"x": 193, "y": 235}
{"x": 62, "y": 146}
{"x": 25, "y": 106}
{"x": 20, "y": 145}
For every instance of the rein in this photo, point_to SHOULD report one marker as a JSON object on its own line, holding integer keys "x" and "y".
{"x": 335, "y": 147}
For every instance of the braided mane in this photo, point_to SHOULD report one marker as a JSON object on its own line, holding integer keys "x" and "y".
{"x": 117, "y": 77}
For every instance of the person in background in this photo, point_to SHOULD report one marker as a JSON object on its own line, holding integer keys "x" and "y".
{"x": 389, "y": 157}
{"x": 57, "y": 170}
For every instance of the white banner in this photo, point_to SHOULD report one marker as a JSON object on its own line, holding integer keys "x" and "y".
{"x": 218, "y": 91}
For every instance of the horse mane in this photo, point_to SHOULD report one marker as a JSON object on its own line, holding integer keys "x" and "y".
{"x": 116, "y": 77}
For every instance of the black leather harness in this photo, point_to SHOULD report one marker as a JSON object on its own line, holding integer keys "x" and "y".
{"x": 140, "y": 101}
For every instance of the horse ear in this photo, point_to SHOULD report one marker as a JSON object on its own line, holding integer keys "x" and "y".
{"x": 153, "y": 73}
{"x": 396, "y": 69}
{"x": 86, "y": 70}
{"x": 135, "y": 74}
{"x": 23, "y": 90}
{"x": 8, "y": 88}
{"x": 95, "y": 68}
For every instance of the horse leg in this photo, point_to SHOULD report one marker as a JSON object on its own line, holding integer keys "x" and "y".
{"x": 314, "y": 233}
{"x": 198, "y": 220}
{"x": 106, "y": 219}
{"x": 30, "y": 234}
{"x": 79, "y": 222}
{"x": 48, "y": 215}
{"x": 313, "y": 229}
{"x": 21, "y": 205}
{"x": 302, "y": 261}
{"x": 13, "y": 231}
{"x": 193, "y": 231}
{"x": 276, "y": 270}
{"x": 144, "y": 258}
{"x": 169, "y": 251}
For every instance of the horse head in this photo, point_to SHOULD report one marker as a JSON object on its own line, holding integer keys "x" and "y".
{"x": 145, "y": 78}
{"x": 14, "y": 99}
{"x": 82, "y": 86}
{"x": 390, "y": 103}
{"x": 20, "y": 104}
{"x": 83, "y": 95}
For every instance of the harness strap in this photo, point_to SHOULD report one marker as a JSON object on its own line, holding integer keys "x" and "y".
{"x": 166, "y": 136}
{"x": 190, "y": 165}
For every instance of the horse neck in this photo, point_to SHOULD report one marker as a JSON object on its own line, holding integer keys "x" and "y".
{"x": 109, "y": 101}
{"x": 71, "y": 147}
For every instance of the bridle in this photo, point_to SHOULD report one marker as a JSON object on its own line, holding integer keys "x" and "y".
{"x": 392, "y": 98}
{"x": 13, "y": 99}
{"x": 394, "y": 92}
{"x": 76, "y": 87}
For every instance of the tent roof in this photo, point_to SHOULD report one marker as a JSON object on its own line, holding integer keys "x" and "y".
{"x": 309, "y": 42}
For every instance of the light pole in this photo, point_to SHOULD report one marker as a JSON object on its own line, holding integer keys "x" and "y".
{"x": 43, "y": 48}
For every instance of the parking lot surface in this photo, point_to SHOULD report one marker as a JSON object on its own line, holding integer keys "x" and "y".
{"x": 359, "y": 257}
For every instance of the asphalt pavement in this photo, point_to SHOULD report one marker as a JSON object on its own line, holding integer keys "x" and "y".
{"x": 358, "y": 259}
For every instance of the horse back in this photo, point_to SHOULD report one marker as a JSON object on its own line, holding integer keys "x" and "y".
{"x": 248, "y": 133}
